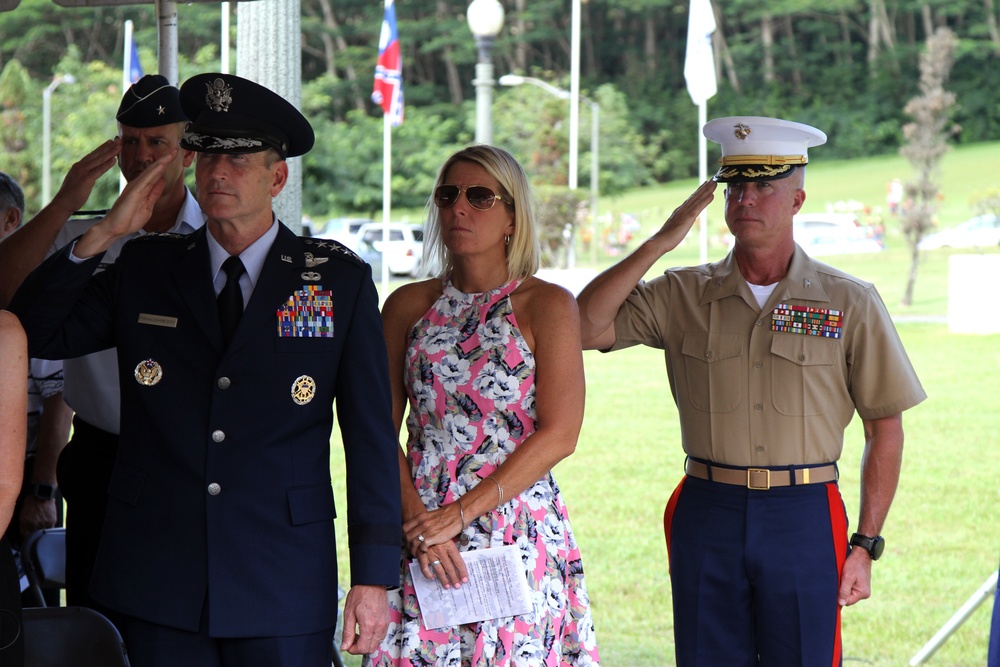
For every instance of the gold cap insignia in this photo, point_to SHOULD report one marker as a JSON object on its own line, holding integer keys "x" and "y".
{"x": 742, "y": 131}
{"x": 148, "y": 373}
{"x": 303, "y": 389}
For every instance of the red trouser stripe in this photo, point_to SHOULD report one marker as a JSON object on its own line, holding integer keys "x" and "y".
{"x": 668, "y": 515}
{"x": 838, "y": 522}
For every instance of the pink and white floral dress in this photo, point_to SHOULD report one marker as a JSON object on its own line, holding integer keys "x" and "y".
{"x": 470, "y": 378}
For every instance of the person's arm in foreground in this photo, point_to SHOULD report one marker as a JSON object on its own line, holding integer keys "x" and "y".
{"x": 880, "y": 466}
{"x": 13, "y": 412}
{"x": 600, "y": 300}
{"x": 25, "y": 249}
{"x": 553, "y": 318}
{"x": 53, "y": 434}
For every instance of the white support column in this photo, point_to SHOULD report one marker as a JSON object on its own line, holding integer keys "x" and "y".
{"x": 269, "y": 51}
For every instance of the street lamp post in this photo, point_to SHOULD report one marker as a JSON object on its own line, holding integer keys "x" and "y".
{"x": 485, "y": 21}
{"x": 47, "y": 134}
{"x": 517, "y": 80}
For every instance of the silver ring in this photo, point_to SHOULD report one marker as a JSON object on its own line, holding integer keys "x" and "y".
{"x": 420, "y": 538}
{"x": 435, "y": 562}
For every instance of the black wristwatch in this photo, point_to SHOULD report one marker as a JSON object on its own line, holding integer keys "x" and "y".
{"x": 43, "y": 491}
{"x": 873, "y": 545}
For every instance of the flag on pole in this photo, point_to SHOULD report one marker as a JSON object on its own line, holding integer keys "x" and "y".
{"x": 135, "y": 67}
{"x": 388, "y": 91}
{"x": 699, "y": 61}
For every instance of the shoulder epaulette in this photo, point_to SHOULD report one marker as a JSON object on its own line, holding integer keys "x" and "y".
{"x": 159, "y": 236}
{"x": 331, "y": 248}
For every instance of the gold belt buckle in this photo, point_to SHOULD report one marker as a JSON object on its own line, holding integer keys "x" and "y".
{"x": 753, "y": 473}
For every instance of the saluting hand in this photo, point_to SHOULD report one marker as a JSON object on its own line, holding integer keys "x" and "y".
{"x": 682, "y": 219}
{"x": 80, "y": 180}
{"x": 130, "y": 212}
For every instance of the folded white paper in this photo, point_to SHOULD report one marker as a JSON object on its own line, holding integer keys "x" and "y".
{"x": 497, "y": 588}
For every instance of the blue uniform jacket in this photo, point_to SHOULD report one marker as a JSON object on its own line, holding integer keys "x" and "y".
{"x": 222, "y": 485}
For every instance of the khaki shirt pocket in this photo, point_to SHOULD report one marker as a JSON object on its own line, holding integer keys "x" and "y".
{"x": 805, "y": 375}
{"x": 713, "y": 371}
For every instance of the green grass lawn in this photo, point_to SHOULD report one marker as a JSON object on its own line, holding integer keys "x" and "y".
{"x": 941, "y": 537}
{"x": 942, "y": 541}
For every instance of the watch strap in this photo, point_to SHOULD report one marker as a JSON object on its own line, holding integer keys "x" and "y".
{"x": 43, "y": 491}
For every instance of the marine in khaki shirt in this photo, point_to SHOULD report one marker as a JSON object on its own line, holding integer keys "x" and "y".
{"x": 769, "y": 354}
{"x": 749, "y": 395}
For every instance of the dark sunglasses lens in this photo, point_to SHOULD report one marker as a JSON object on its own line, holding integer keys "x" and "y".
{"x": 446, "y": 195}
{"x": 481, "y": 197}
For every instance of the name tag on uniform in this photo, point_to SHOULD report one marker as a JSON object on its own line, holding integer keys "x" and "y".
{"x": 158, "y": 320}
{"x": 308, "y": 313}
{"x": 823, "y": 322}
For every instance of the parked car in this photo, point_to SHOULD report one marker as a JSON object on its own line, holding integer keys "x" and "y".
{"x": 982, "y": 231}
{"x": 368, "y": 253}
{"x": 344, "y": 230}
{"x": 833, "y": 234}
{"x": 405, "y": 245}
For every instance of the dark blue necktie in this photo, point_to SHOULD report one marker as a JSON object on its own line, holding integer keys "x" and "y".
{"x": 231, "y": 298}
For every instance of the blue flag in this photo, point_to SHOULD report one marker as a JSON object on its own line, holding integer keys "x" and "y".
{"x": 135, "y": 67}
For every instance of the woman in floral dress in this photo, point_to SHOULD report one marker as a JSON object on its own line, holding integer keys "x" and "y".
{"x": 489, "y": 359}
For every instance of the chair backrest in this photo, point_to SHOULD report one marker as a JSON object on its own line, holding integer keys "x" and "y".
{"x": 44, "y": 557}
{"x": 78, "y": 636}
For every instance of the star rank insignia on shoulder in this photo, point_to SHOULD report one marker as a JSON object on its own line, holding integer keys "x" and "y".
{"x": 331, "y": 246}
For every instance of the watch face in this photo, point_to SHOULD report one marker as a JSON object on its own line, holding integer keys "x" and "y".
{"x": 873, "y": 545}
{"x": 878, "y": 545}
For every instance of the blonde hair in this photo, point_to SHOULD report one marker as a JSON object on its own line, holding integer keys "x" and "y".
{"x": 523, "y": 250}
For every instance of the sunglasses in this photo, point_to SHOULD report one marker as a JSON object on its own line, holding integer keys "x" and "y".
{"x": 479, "y": 197}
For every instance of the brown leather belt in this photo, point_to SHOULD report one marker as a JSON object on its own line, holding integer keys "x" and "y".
{"x": 761, "y": 479}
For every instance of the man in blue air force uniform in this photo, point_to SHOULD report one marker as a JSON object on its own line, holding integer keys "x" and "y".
{"x": 219, "y": 539}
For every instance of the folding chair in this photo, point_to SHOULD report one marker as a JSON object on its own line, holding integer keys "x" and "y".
{"x": 78, "y": 636}
{"x": 43, "y": 555}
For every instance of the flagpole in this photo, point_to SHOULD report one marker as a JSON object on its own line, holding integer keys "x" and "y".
{"x": 126, "y": 78}
{"x": 386, "y": 201}
{"x": 699, "y": 73}
{"x": 703, "y": 176}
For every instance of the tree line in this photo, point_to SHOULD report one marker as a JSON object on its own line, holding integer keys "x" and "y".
{"x": 846, "y": 66}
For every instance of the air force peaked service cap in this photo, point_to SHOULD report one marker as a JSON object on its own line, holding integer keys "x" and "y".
{"x": 230, "y": 114}
{"x": 151, "y": 102}
{"x": 756, "y": 148}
